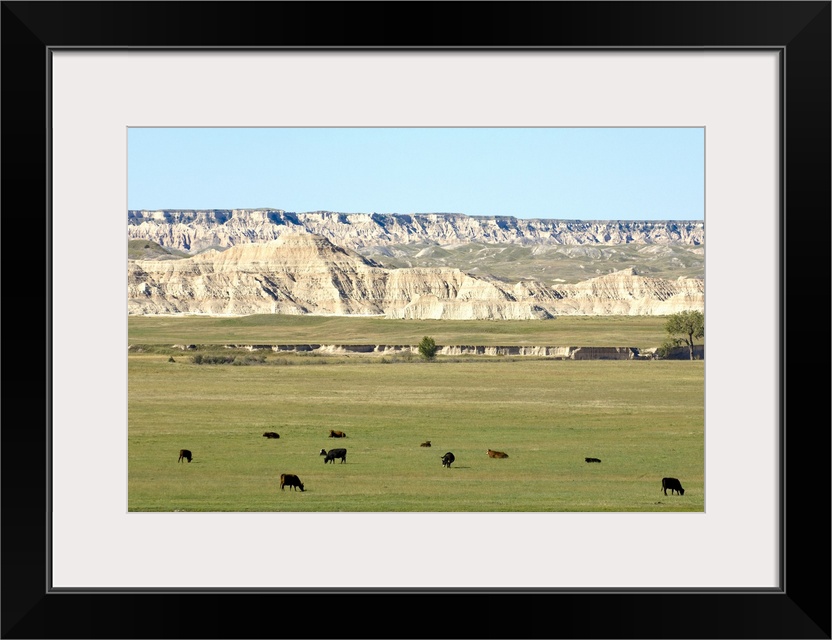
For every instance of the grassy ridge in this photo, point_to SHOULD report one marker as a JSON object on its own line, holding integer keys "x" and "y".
{"x": 644, "y": 420}
{"x": 617, "y": 331}
{"x": 550, "y": 264}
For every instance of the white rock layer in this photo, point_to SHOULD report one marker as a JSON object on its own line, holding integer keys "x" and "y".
{"x": 307, "y": 274}
{"x": 196, "y": 230}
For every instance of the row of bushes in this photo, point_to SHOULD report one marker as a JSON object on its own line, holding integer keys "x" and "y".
{"x": 228, "y": 359}
{"x": 335, "y": 360}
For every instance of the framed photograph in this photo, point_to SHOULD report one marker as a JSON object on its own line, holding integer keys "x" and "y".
{"x": 79, "y": 77}
{"x": 417, "y": 316}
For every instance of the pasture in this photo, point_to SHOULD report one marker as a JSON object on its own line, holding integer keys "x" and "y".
{"x": 641, "y": 332}
{"x": 643, "y": 419}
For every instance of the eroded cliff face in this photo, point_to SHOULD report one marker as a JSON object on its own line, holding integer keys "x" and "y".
{"x": 626, "y": 293}
{"x": 307, "y": 274}
{"x": 197, "y": 230}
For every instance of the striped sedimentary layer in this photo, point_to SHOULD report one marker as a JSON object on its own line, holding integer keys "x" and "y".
{"x": 195, "y": 230}
{"x": 307, "y": 274}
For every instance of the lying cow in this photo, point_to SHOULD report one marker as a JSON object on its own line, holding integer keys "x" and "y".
{"x": 447, "y": 459}
{"x": 184, "y": 454}
{"x": 673, "y": 484}
{"x": 592, "y": 459}
{"x": 337, "y": 434}
{"x": 496, "y": 454}
{"x": 334, "y": 453}
{"x": 290, "y": 480}
{"x": 426, "y": 443}
{"x": 271, "y": 434}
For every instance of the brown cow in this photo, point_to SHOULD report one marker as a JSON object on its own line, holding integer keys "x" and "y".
{"x": 290, "y": 480}
{"x": 337, "y": 434}
{"x": 184, "y": 454}
{"x": 426, "y": 443}
{"x": 496, "y": 454}
{"x": 271, "y": 434}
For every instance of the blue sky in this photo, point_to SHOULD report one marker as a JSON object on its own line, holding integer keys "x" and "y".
{"x": 567, "y": 173}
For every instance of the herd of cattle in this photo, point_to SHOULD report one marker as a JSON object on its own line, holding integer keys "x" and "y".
{"x": 293, "y": 482}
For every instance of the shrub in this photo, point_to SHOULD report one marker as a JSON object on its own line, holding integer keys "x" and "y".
{"x": 667, "y": 347}
{"x": 428, "y": 348}
{"x": 206, "y": 359}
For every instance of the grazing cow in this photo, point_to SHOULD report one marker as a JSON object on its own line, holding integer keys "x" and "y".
{"x": 673, "y": 484}
{"x": 592, "y": 460}
{"x": 271, "y": 434}
{"x": 447, "y": 459}
{"x": 334, "y": 453}
{"x": 290, "y": 480}
{"x": 185, "y": 454}
{"x": 496, "y": 454}
{"x": 337, "y": 434}
{"x": 426, "y": 443}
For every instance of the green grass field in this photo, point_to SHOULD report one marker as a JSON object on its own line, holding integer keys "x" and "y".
{"x": 643, "y": 419}
{"x": 584, "y": 331}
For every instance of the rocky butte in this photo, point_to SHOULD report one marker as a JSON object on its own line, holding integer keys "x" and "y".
{"x": 298, "y": 272}
{"x": 196, "y": 230}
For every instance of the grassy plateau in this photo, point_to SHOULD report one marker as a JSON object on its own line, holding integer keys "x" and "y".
{"x": 585, "y": 331}
{"x": 643, "y": 419}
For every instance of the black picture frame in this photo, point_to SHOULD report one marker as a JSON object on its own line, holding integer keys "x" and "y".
{"x": 800, "y": 608}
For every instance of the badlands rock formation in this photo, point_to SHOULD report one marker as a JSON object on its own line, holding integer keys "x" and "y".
{"x": 307, "y": 274}
{"x": 194, "y": 231}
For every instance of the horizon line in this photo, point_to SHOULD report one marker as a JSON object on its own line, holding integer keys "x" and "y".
{"x": 420, "y": 213}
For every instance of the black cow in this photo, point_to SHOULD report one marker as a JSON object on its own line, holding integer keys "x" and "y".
{"x": 592, "y": 459}
{"x": 184, "y": 454}
{"x": 334, "y": 453}
{"x": 447, "y": 459}
{"x": 426, "y": 443}
{"x": 290, "y": 480}
{"x": 673, "y": 484}
{"x": 271, "y": 434}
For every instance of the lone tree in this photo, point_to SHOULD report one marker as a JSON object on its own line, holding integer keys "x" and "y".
{"x": 427, "y": 347}
{"x": 690, "y": 324}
